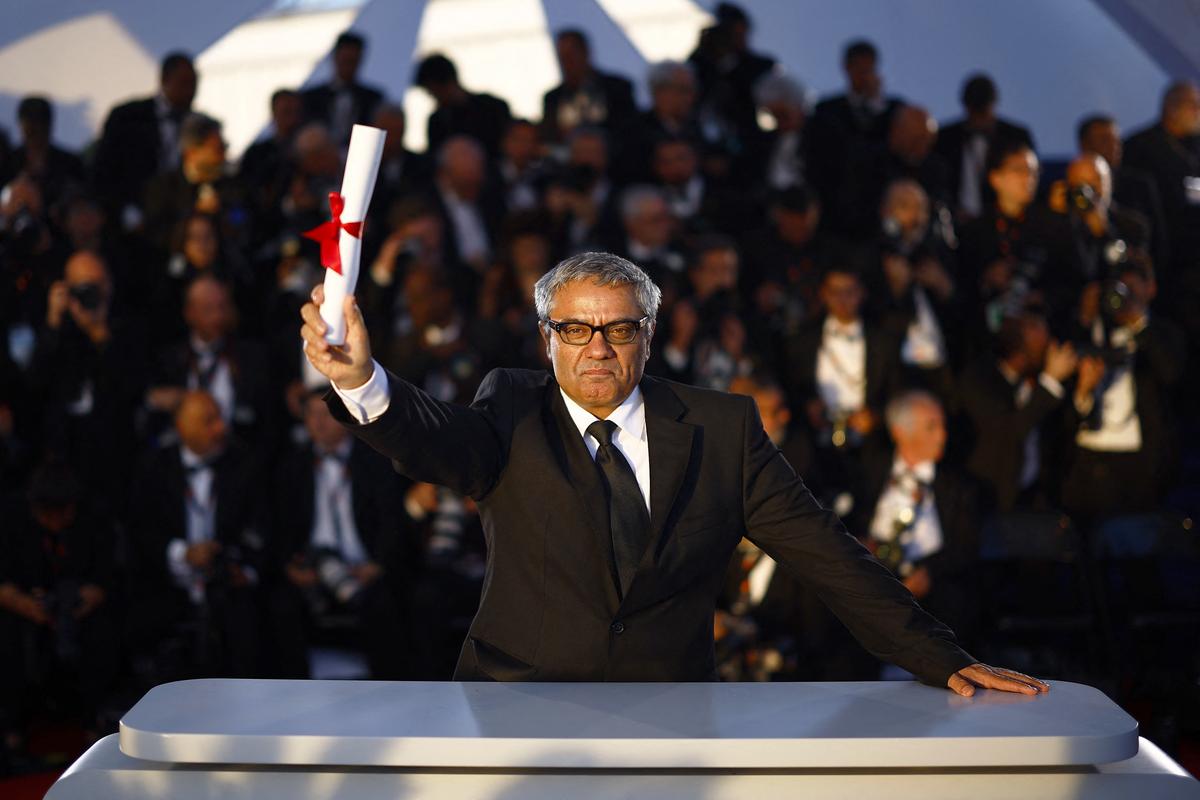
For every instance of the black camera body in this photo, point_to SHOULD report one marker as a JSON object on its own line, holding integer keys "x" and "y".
{"x": 90, "y": 296}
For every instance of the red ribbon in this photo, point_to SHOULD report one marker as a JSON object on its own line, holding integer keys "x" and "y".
{"x": 327, "y": 234}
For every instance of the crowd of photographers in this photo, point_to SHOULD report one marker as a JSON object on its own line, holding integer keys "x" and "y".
{"x": 940, "y": 339}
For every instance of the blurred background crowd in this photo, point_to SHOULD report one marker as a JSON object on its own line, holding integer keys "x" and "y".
{"x": 981, "y": 361}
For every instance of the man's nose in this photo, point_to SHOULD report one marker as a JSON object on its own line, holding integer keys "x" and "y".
{"x": 599, "y": 348}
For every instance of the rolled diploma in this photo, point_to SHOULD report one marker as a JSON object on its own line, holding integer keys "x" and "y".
{"x": 358, "y": 182}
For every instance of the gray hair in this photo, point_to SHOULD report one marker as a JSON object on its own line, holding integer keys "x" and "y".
{"x": 776, "y": 87}
{"x": 899, "y": 411}
{"x": 458, "y": 143}
{"x": 603, "y": 269}
{"x": 633, "y": 198}
{"x": 664, "y": 72}
{"x": 195, "y": 130}
{"x": 311, "y": 138}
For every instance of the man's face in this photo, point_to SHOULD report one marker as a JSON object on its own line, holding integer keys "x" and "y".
{"x": 287, "y": 114}
{"x": 179, "y": 87}
{"x": 909, "y": 207}
{"x": 651, "y": 225}
{"x": 597, "y": 375}
{"x": 345, "y": 62}
{"x": 925, "y": 438}
{"x": 674, "y": 98}
{"x": 842, "y": 295}
{"x": 572, "y": 60}
{"x": 1104, "y": 139}
{"x": 717, "y": 271}
{"x": 1015, "y": 181}
{"x": 199, "y": 424}
{"x": 674, "y": 163}
{"x": 591, "y": 151}
{"x": 208, "y": 310}
{"x": 325, "y": 431}
{"x": 1093, "y": 172}
{"x": 200, "y": 245}
{"x": 463, "y": 169}
{"x": 796, "y": 227}
{"x": 863, "y": 78}
{"x": 1187, "y": 112}
{"x": 1036, "y": 339}
{"x": 520, "y": 144}
{"x": 208, "y": 157}
{"x": 394, "y": 124}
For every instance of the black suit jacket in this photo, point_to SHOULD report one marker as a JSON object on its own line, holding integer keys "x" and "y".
{"x": 481, "y": 116}
{"x": 158, "y": 514}
{"x": 550, "y": 608}
{"x": 318, "y": 103}
{"x": 882, "y": 367}
{"x": 998, "y": 428}
{"x": 617, "y": 93}
{"x": 374, "y": 495}
{"x": 953, "y": 138}
{"x": 128, "y": 154}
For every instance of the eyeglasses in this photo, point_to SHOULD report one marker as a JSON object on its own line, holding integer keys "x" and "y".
{"x": 621, "y": 331}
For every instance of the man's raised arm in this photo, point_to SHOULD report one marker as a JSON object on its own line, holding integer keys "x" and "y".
{"x": 428, "y": 440}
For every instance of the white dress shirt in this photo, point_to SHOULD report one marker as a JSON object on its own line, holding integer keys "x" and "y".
{"x": 210, "y": 363}
{"x": 469, "y": 231}
{"x": 333, "y": 510}
{"x": 1031, "y": 458}
{"x": 368, "y": 402}
{"x": 201, "y": 520}
{"x": 842, "y": 366}
{"x": 898, "y": 498}
{"x": 1120, "y": 428}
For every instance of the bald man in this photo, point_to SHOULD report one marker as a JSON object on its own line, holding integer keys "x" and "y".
{"x": 197, "y": 537}
{"x": 906, "y": 154}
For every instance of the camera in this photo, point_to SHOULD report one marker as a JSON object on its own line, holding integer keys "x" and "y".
{"x": 90, "y": 296}
{"x": 1080, "y": 199}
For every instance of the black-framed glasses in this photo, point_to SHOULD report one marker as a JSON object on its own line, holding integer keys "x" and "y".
{"x": 621, "y": 331}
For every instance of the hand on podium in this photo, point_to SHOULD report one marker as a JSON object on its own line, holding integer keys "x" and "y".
{"x": 1006, "y": 680}
{"x": 347, "y": 366}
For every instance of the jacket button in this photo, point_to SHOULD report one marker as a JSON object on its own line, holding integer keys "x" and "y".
{"x": 617, "y": 627}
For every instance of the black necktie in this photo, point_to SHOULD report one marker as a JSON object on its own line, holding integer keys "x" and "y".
{"x": 627, "y": 516}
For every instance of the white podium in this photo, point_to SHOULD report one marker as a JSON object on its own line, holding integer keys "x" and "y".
{"x": 363, "y": 739}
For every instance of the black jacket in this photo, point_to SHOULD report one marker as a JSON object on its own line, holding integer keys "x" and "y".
{"x": 550, "y": 608}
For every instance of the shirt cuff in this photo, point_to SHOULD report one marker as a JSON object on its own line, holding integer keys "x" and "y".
{"x": 368, "y": 402}
{"x": 1051, "y": 385}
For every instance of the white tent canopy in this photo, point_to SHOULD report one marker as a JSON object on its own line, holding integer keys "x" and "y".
{"x": 1053, "y": 61}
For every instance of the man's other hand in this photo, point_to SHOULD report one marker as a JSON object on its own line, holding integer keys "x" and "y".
{"x": 1006, "y": 680}
{"x": 348, "y": 366}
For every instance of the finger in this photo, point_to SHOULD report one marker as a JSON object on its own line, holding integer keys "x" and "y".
{"x": 1012, "y": 673}
{"x": 960, "y": 685}
{"x": 311, "y": 314}
{"x": 353, "y": 314}
{"x": 989, "y": 678}
{"x": 318, "y": 294}
{"x": 314, "y": 342}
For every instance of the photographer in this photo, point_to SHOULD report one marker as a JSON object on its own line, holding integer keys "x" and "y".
{"x": 57, "y": 627}
{"x": 1101, "y": 231}
{"x": 1120, "y": 419}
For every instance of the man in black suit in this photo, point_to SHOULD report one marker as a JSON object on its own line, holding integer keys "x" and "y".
{"x": 727, "y": 71}
{"x": 586, "y": 97}
{"x": 460, "y": 113}
{"x": 141, "y": 139}
{"x": 672, "y": 113}
{"x": 921, "y": 518}
{"x": 844, "y": 125}
{"x": 1006, "y": 399}
{"x": 267, "y": 166}
{"x": 52, "y": 168}
{"x": 339, "y": 545}
{"x": 197, "y": 539}
{"x": 1099, "y": 134}
{"x": 343, "y": 102}
{"x": 964, "y": 144}
{"x": 600, "y": 569}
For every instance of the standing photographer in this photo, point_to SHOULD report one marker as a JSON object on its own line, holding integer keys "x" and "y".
{"x": 1125, "y": 442}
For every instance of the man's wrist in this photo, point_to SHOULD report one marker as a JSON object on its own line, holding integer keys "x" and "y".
{"x": 368, "y": 401}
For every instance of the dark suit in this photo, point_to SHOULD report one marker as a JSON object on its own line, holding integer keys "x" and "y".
{"x": 611, "y": 92}
{"x": 550, "y": 608}
{"x": 882, "y": 364}
{"x": 129, "y": 153}
{"x": 953, "y": 139}
{"x": 158, "y": 514}
{"x": 319, "y": 103}
{"x": 1169, "y": 161}
{"x": 839, "y": 134}
{"x": 998, "y": 429}
{"x": 952, "y": 567}
{"x": 481, "y": 116}
{"x": 377, "y": 502}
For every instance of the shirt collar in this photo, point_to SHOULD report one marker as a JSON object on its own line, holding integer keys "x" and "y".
{"x": 339, "y": 453}
{"x": 923, "y": 470}
{"x": 191, "y": 461}
{"x": 630, "y": 416}
{"x": 851, "y": 329}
